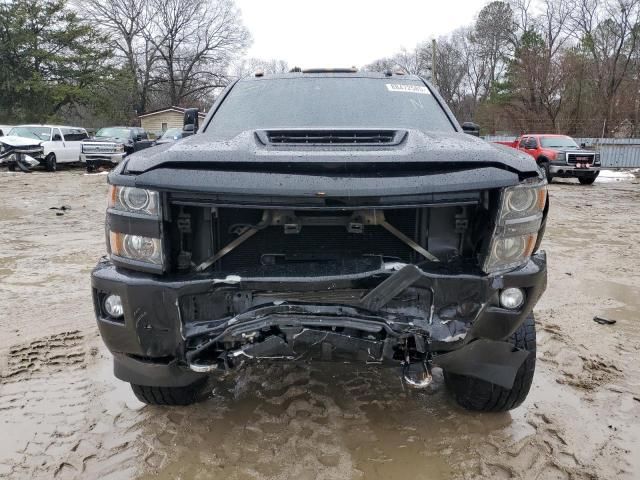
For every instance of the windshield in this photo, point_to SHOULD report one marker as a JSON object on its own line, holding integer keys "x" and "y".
{"x": 328, "y": 102}
{"x": 558, "y": 142}
{"x": 113, "y": 132}
{"x": 36, "y": 133}
{"x": 172, "y": 133}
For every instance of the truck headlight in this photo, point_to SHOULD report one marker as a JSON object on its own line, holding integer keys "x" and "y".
{"x": 509, "y": 252}
{"x": 136, "y": 247}
{"x": 119, "y": 148}
{"x": 516, "y": 232}
{"x": 134, "y": 200}
{"x": 522, "y": 201}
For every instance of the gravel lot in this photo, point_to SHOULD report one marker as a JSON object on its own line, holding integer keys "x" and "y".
{"x": 63, "y": 415}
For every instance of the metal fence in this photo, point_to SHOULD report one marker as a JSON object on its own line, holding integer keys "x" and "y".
{"x": 614, "y": 152}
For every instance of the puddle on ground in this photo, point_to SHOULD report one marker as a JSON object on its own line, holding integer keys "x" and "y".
{"x": 626, "y": 312}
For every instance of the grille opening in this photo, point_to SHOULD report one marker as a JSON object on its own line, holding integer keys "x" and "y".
{"x": 317, "y": 246}
{"x": 333, "y": 137}
{"x": 296, "y": 243}
{"x": 581, "y": 157}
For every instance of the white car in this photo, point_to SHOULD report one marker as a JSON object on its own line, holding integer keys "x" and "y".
{"x": 61, "y": 144}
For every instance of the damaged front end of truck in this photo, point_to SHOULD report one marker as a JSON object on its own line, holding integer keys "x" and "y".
{"x": 21, "y": 153}
{"x": 411, "y": 247}
{"x": 408, "y": 280}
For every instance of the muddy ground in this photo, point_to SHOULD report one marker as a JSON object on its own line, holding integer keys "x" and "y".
{"x": 63, "y": 415}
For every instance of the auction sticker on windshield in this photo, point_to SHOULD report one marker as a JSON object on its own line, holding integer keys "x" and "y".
{"x": 405, "y": 87}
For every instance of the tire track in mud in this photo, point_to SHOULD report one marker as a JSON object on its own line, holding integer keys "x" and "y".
{"x": 288, "y": 421}
{"x": 297, "y": 421}
{"x": 43, "y": 400}
{"x": 308, "y": 421}
{"x": 256, "y": 429}
{"x": 577, "y": 366}
{"x": 59, "y": 420}
{"x": 558, "y": 438}
{"x": 561, "y": 443}
{"x": 279, "y": 422}
{"x": 543, "y": 454}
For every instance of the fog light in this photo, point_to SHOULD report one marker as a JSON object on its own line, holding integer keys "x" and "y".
{"x": 511, "y": 298}
{"x": 113, "y": 306}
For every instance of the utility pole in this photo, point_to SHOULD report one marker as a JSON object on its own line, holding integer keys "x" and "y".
{"x": 433, "y": 61}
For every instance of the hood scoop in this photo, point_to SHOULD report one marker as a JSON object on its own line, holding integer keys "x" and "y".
{"x": 324, "y": 137}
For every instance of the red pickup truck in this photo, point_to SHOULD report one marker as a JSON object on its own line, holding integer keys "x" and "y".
{"x": 560, "y": 156}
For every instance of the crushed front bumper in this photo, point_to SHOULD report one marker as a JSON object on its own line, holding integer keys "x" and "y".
{"x": 172, "y": 326}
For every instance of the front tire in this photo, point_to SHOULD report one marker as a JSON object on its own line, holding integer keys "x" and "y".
{"x": 170, "y": 396}
{"x": 482, "y": 396}
{"x": 588, "y": 180}
{"x": 50, "y": 163}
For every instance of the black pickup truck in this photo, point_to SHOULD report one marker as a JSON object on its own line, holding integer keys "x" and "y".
{"x": 328, "y": 216}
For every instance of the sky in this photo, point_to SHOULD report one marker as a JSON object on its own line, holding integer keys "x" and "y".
{"x": 344, "y": 33}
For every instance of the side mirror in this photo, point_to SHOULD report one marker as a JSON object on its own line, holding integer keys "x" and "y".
{"x": 471, "y": 128}
{"x": 138, "y": 137}
{"x": 56, "y": 137}
{"x": 583, "y": 145}
{"x": 190, "y": 125}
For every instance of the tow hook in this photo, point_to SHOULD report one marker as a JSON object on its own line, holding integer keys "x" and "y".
{"x": 417, "y": 375}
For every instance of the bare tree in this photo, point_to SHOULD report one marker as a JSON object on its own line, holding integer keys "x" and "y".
{"x": 522, "y": 10}
{"x": 476, "y": 72}
{"x": 126, "y": 23}
{"x": 452, "y": 68}
{"x": 493, "y": 37}
{"x": 536, "y": 72}
{"x": 416, "y": 61}
{"x": 176, "y": 51}
{"x": 380, "y": 65}
{"x": 196, "y": 40}
{"x": 412, "y": 62}
{"x": 608, "y": 32}
{"x": 249, "y": 66}
{"x": 559, "y": 65}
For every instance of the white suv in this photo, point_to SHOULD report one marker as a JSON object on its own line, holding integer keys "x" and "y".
{"x": 61, "y": 144}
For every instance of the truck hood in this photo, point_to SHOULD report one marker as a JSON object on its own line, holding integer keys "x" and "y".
{"x": 14, "y": 141}
{"x": 431, "y": 150}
